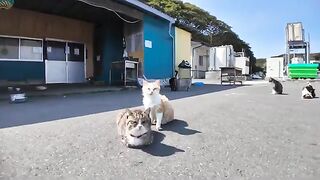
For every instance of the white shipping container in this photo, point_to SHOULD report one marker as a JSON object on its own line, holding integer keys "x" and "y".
{"x": 243, "y": 63}
{"x": 222, "y": 56}
{"x": 295, "y": 32}
{"x": 275, "y": 67}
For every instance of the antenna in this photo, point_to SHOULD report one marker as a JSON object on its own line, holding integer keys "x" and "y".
{"x": 308, "y": 48}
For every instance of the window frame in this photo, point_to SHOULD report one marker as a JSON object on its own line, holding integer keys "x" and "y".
{"x": 19, "y": 49}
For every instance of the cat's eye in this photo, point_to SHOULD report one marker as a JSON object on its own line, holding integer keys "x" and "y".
{"x": 149, "y": 89}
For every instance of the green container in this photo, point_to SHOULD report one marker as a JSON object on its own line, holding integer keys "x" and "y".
{"x": 303, "y": 71}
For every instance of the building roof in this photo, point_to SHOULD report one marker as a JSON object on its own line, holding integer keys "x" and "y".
{"x": 149, "y": 9}
{"x": 198, "y": 43}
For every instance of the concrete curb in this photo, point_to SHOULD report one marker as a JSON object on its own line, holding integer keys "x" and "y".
{"x": 6, "y": 97}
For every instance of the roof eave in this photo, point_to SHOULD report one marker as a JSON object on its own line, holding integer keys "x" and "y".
{"x": 150, "y": 10}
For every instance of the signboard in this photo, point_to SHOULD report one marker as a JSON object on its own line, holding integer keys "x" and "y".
{"x": 148, "y": 44}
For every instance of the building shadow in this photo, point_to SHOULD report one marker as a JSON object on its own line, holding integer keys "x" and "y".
{"x": 51, "y": 108}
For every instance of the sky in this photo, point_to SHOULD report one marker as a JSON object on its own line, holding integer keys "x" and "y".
{"x": 261, "y": 23}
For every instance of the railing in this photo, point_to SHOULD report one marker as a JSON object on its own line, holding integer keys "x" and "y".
{"x": 198, "y": 74}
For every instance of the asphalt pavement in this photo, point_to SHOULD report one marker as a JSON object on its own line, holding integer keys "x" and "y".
{"x": 223, "y": 132}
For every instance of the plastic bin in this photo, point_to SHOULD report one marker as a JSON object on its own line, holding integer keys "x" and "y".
{"x": 183, "y": 84}
{"x": 184, "y": 73}
{"x": 184, "y": 70}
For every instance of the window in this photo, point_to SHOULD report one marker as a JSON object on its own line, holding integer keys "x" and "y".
{"x": 76, "y": 52}
{"x": 134, "y": 42}
{"x": 20, "y": 49}
{"x": 200, "y": 60}
{"x": 9, "y": 48}
{"x": 56, "y": 51}
{"x": 31, "y": 49}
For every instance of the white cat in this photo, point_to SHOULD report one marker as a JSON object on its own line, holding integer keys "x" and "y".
{"x": 308, "y": 92}
{"x": 161, "y": 110}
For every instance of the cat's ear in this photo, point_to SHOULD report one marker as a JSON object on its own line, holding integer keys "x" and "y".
{"x": 147, "y": 111}
{"x": 157, "y": 82}
{"x": 128, "y": 113}
{"x": 145, "y": 82}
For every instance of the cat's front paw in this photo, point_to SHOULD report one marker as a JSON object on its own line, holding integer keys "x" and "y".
{"x": 158, "y": 128}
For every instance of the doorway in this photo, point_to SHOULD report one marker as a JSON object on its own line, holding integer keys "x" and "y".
{"x": 64, "y": 62}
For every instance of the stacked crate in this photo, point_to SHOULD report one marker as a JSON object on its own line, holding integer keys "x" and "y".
{"x": 297, "y": 71}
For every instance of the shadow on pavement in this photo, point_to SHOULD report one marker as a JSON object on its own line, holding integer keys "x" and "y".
{"x": 180, "y": 127}
{"x": 157, "y": 148}
{"x": 44, "y": 109}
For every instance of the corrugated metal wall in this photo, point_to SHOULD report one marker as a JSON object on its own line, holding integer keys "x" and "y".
{"x": 158, "y": 59}
{"x": 182, "y": 46}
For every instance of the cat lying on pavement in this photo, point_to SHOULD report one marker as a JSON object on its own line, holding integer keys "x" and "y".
{"x": 134, "y": 127}
{"x": 308, "y": 92}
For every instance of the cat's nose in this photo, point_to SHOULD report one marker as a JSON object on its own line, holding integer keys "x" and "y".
{"x": 139, "y": 127}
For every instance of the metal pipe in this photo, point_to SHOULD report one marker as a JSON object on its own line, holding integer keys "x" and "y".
{"x": 308, "y": 47}
{"x": 173, "y": 48}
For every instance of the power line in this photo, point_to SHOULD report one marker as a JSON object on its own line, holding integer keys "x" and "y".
{"x": 123, "y": 19}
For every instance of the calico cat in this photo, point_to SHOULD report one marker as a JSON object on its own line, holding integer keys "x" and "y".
{"x": 277, "y": 88}
{"x": 308, "y": 92}
{"x": 161, "y": 110}
{"x": 134, "y": 127}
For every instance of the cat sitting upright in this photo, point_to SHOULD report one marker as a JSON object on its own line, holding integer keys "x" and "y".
{"x": 308, "y": 92}
{"x": 161, "y": 110}
{"x": 134, "y": 127}
{"x": 277, "y": 88}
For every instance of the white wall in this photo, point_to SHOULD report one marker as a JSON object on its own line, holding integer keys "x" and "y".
{"x": 275, "y": 67}
{"x": 242, "y": 62}
{"x": 221, "y": 56}
{"x": 201, "y": 51}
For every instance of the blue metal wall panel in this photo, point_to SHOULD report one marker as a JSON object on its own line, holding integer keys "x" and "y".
{"x": 21, "y": 70}
{"x": 158, "y": 60}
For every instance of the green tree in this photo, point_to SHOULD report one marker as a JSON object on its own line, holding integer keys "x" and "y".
{"x": 203, "y": 26}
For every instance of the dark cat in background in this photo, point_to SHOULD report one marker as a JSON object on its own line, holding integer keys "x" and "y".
{"x": 277, "y": 88}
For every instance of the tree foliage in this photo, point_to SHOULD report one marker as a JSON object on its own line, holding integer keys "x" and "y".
{"x": 203, "y": 26}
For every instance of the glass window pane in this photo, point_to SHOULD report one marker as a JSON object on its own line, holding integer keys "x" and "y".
{"x": 9, "y": 48}
{"x": 56, "y": 51}
{"x": 76, "y": 52}
{"x": 31, "y": 49}
{"x": 200, "y": 60}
